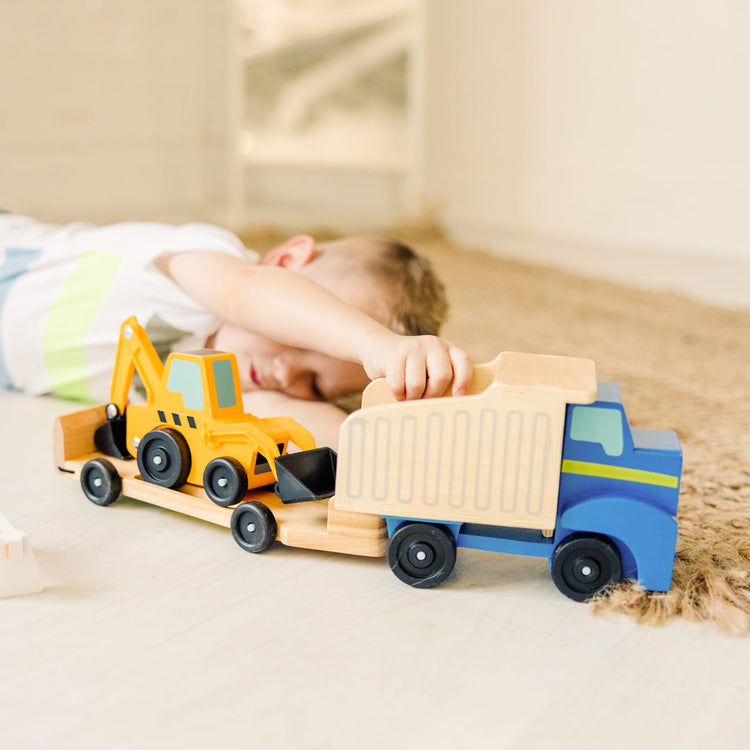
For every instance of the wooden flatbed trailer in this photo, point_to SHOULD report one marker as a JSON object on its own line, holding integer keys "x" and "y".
{"x": 309, "y": 525}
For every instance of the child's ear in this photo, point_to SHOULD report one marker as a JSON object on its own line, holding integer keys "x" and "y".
{"x": 293, "y": 254}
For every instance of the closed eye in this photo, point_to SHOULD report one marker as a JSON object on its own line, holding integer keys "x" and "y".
{"x": 315, "y": 388}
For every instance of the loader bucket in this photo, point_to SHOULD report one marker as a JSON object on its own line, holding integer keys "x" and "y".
{"x": 307, "y": 475}
{"x": 110, "y": 438}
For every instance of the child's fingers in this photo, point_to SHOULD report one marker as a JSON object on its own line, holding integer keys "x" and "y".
{"x": 425, "y": 367}
{"x": 395, "y": 378}
{"x": 416, "y": 376}
{"x": 463, "y": 370}
{"x": 439, "y": 374}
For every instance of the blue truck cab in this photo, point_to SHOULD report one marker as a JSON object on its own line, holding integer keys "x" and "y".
{"x": 616, "y": 515}
{"x": 621, "y": 484}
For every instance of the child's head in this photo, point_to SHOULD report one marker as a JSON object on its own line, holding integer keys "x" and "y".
{"x": 386, "y": 280}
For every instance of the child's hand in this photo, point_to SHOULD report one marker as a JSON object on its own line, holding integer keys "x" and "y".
{"x": 417, "y": 366}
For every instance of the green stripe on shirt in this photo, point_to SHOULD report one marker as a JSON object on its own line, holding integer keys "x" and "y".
{"x": 70, "y": 317}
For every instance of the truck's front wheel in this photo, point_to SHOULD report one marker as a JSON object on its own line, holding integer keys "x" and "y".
{"x": 422, "y": 554}
{"x": 583, "y": 565}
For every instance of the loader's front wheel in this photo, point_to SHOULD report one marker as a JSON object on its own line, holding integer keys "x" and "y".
{"x": 164, "y": 458}
{"x": 225, "y": 481}
{"x": 422, "y": 554}
{"x": 253, "y": 526}
{"x": 100, "y": 481}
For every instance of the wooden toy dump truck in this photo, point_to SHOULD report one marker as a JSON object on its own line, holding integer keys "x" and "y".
{"x": 537, "y": 459}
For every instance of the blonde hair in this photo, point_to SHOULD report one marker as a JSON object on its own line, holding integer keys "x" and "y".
{"x": 416, "y": 299}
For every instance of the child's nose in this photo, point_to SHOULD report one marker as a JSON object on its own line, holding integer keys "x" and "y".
{"x": 284, "y": 370}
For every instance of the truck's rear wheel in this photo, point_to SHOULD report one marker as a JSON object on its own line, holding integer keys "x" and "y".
{"x": 100, "y": 481}
{"x": 253, "y": 526}
{"x": 422, "y": 554}
{"x": 225, "y": 481}
{"x": 583, "y": 565}
{"x": 164, "y": 458}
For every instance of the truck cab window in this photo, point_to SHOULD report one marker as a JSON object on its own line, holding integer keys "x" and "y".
{"x": 226, "y": 390}
{"x": 594, "y": 424}
{"x": 185, "y": 378}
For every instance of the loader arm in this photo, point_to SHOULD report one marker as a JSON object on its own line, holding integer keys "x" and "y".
{"x": 301, "y": 437}
{"x": 225, "y": 435}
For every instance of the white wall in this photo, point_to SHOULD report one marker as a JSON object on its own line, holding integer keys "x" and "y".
{"x": 110, "y": 109}
{"x": 603, "y": 135}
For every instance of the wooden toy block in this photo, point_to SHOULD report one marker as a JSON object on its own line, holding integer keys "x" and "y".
{"x": 19, "y": 573}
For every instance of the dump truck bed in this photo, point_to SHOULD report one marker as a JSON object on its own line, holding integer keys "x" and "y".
{"x": 312, "y": 525}
{"x": 491, "y": 457}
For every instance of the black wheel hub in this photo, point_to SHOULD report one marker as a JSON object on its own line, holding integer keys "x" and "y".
{"x": 158, "y": 460}
{"x": 586, "y": 570}
{"x": 420, "y": 556}
{"x": 248, "y": 529}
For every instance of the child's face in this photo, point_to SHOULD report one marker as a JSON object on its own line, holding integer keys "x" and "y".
{"x": 268, "y": 365}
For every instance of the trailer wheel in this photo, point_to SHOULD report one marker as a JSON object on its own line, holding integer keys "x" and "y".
{"x": 422, "y": 554}
{"x": 253, "y": 526}
{"x": 164, "y": 458}
{"x": 583, "y": 565}
{"x": 225, "y": 481}
{"x": 100, "y": 481}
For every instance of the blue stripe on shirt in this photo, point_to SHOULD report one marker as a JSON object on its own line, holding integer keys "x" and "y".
{"x": 15, "y": 264}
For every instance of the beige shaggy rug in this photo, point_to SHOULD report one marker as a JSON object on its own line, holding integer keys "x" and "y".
{"x": 681, "y": 365}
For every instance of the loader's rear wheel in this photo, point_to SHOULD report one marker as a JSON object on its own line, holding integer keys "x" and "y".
{"x": 225, "y": 481}
{"x": 100, "y": 481}
{"x": 164, "y": 458}
{"x": 422, "y": 554}
{"x": 583, "y": 565}
{"x": 253, "y": 526}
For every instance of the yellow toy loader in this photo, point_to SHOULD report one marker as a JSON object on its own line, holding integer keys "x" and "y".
{"x": 191, "y": 429}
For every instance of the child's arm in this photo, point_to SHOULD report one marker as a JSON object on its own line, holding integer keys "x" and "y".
{"x": 288, "y": 307}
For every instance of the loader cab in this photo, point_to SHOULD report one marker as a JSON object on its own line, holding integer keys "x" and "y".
{"x": 204, "y": 381}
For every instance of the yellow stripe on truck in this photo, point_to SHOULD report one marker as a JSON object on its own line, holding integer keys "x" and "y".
{"x": 618, "y": 472}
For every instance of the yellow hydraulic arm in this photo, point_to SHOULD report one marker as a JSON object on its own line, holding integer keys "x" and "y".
{"x": 134, "y": 352}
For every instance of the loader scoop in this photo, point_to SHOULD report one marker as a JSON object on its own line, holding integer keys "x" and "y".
{"x": 307, "y": 475}
{"x": 110, "y": 438}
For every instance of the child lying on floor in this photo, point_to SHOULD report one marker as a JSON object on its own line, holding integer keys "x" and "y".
{"x": 309, "y": 322}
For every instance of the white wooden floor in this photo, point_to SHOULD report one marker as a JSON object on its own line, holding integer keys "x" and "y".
{"x": 157, "y": 631}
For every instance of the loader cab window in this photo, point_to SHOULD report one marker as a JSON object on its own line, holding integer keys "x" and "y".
{"x": 185, "y": 378}
{"x": 226, "y": 391}
{"x": 594, "y": 424}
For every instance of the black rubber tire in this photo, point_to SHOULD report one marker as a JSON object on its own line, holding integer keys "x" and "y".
{"x": 100, "y": 481}
{"x": 225, "y": 481}
{"x": 164, "y": 458}
{"x": 422, "y": 554}
{"x": 253, "y": 526}
{"x": 583, "y": 565}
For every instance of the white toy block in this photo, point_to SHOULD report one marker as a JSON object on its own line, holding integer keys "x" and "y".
{"x": 18, "y": 570}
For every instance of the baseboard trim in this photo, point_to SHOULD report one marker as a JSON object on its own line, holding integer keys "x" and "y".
{"x": 722, "y": 281}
